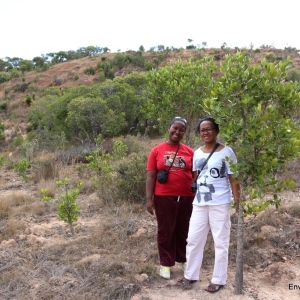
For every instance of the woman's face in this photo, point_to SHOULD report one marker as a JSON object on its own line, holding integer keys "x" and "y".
{"x": 176, "y": 132}
{"x": 208, "y": 133}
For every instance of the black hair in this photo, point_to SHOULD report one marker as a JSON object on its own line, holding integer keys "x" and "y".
{"x": 209, "y": 119}
{"x": 178, "y": 119}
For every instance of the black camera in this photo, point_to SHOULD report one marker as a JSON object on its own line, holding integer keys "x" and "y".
{"x": 194, "y": 187}
{"x": 162, "y": 176}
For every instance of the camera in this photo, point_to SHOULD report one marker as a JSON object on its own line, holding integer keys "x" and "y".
{"x": 194, "y": 187}
{"x": 162, "y": 176}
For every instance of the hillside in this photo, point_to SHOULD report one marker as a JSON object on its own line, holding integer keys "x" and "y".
{"x": 13, "y": 93}
{"x": 113, "y": 254}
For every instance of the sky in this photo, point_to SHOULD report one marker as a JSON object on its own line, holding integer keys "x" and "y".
{"x": 31, "y": 28}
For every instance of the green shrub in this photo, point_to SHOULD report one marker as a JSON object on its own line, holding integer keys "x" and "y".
{"x": 2, "y": 137}
{"x": 3, "y": 106}
{"x": 132, "y": 144}
{"x": 4, "y": 77}
{"x": 131, "y": 181}
{"x": 101, "y": 76}
{"x": 21, "y": 168}
{"x": 14, "y": 73}
{"x": 293, "y": 75}
{"x": 89, "y": 71}
{"x": 1, "y": 160}
{"x": 18, "y": 141}
{"x": 149, "y": 65}
{"x": 66, "y": 203}
{"x": 21, "y": 87}
{"x": 28, "y": 100}
{"x": 106, "y": 67}
{"x": 45, "y": 67}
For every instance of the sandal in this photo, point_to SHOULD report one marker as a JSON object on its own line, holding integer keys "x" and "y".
{"x": 212, "y": 287}
{"x": 185, "y": 283}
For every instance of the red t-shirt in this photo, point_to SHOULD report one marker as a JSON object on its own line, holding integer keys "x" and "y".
{"x": 180, "y": 177}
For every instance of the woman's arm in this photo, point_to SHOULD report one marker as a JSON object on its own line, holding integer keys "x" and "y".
{"x": 195, "y": 174}
{"x": 235, "y": 188}
{"x": 150, "y": 183}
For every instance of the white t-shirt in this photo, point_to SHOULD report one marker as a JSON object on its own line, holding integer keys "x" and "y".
{"x": 213, "y": 187}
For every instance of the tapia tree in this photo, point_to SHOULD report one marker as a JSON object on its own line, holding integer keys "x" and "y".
{"x": 179, "y": 89}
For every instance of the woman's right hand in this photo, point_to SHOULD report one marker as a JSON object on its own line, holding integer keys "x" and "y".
{"x": 150, "y": 206}
{"x": 150, "y": 183}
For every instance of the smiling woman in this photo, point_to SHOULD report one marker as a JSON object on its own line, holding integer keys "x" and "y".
{"x": 171, "y": 200}
{"x": 212, "y": 205}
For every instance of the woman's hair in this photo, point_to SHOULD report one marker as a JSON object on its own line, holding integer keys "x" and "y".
{"x": 209, "y": 119}
{"x": 182, "y": 120}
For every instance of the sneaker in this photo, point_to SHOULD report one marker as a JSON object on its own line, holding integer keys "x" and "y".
{"x": 164, "y": 272}
{"x": 183, "y": 267}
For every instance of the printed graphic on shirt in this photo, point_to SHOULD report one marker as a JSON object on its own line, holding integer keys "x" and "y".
{"x": 205, "y": 190}
{"x": 179, "y": 161}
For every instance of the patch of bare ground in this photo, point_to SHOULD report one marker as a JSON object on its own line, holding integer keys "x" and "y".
{"x": 113, "y": 254}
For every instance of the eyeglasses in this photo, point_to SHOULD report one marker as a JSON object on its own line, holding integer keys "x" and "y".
{"x": 206, "y": 130}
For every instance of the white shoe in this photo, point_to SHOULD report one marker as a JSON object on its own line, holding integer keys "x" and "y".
{"x": 183, "y": 267}
{"x": 164, "y": 272}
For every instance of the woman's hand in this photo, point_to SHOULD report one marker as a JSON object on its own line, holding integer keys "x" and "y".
{"x": 150, "y": 183}
{"x": 150, "y": 206}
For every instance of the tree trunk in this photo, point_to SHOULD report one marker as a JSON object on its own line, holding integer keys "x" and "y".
{"x": 238, "y": 287}
{"x": 72, "y": 229}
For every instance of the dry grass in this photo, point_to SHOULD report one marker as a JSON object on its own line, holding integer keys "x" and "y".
{"x": 113, "y": 245}
{"x": 49, "y": 186}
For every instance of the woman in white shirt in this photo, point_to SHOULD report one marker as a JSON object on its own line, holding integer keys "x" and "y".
{"x": 211, "y": 206}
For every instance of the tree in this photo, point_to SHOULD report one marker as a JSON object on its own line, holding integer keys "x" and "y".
{"x": 4, "y": 65}
{"x": 256, "y": 110}
{"x": 126, "y": 95}
{"x": 26, "y": 65}
{"x": 179, "y": 90}
{"x": 39, "y": 61}
{"x": 89, "y": 117}
{"x": 66, "y": 203}
{"x": 59, "y": 57}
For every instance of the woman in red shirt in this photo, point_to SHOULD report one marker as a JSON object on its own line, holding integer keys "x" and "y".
{"x": 171, "y": 201}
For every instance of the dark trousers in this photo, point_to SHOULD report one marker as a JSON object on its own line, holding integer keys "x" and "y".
{"x": 173, "y": 217}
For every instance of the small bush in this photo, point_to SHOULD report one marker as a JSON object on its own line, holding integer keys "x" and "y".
{"x": 1, "y": 160}
{"x": 132, "y": 178}
{"x": 14, "y": 73}
{"x": 4, "y": 77}
{"x": 18, "y": 141}
{"x": 21, "y": 87}
{"x": 21, "y": 168}
{"x": 293, "y": 75}
{"x": 132, "y": 144}
{"x": 89, "y": 71}
{"x": 3, "y": 106}
{"x": 28, "y": 100}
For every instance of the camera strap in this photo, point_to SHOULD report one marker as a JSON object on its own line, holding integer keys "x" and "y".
{"x": 211, "y": 153}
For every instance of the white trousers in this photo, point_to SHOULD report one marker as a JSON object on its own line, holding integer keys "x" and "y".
{"x": 204, "y": 218}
